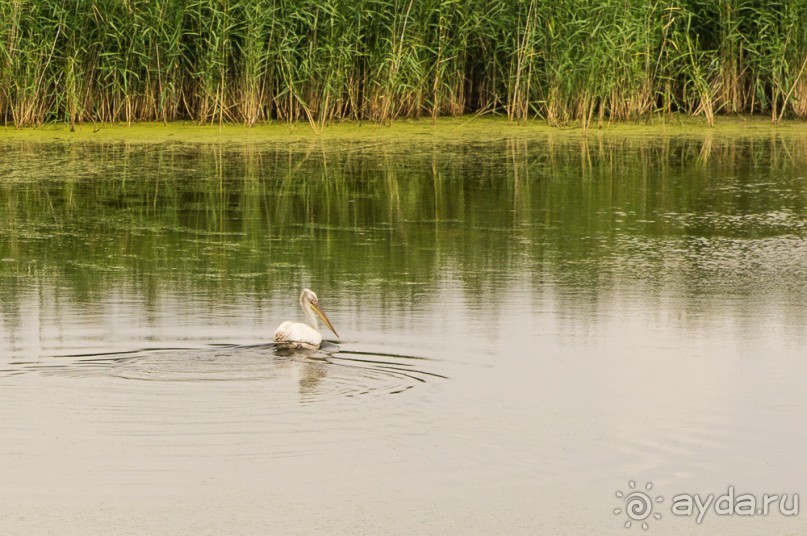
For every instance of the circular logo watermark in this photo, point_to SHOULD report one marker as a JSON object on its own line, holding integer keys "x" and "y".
{"x": 638, "y": 505}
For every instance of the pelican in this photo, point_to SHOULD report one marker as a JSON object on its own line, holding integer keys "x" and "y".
{"x": 298, "y": 335}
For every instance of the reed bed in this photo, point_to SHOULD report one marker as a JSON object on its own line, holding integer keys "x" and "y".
{"x": 318, "y": 61}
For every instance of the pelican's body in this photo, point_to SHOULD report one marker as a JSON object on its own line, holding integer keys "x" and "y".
{"x": 299, "y": 335}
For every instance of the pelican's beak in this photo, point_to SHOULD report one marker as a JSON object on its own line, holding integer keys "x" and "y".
{"x": 324, "y": 317}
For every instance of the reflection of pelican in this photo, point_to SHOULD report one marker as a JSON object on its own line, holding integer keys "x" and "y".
{"x": 299, "y": 335}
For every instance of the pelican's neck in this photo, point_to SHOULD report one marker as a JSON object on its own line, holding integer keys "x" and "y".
{"x": 309, "y": 315}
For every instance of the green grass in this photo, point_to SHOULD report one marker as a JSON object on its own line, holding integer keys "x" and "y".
{"x": 588, "y": 62}
{"x": 449, "y": 130}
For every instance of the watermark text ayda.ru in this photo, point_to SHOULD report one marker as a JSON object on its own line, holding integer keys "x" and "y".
{"x": 730, "y": 503}
{"x": 638, "y": 505}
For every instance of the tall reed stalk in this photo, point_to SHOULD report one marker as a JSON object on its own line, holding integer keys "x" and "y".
{"x": 318, "y": 61}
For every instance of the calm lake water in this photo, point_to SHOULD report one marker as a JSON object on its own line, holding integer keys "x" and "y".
{"x": 526, "y": 326}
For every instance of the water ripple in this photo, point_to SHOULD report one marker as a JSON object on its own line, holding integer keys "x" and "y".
{"x": 325, "y": 373}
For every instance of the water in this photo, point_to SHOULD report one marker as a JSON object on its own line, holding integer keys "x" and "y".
{"x": 527, "y": 326}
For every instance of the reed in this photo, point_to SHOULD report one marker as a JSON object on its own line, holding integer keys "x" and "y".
{"x": 252, "y": 61}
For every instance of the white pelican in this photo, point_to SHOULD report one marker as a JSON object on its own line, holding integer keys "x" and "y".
{"x": 298, "y": 335}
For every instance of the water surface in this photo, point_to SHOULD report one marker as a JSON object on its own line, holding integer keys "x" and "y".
{"x": 527, "y": 326}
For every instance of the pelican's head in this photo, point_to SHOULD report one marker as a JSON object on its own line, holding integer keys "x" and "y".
{"x": 310, "y": 304}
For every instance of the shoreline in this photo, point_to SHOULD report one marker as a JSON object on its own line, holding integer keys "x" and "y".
{"x": 469, "y": 128}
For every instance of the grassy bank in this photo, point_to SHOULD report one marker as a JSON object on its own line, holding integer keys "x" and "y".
{"x": 449, "y": 130}
{"x": 250, "y": 61}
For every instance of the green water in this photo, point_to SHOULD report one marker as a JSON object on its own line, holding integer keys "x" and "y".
{"x": 526, "y": 325}
{"x": 255, "y": 220}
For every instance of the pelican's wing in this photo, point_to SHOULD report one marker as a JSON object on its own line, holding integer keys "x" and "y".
{"x": 283, "y": 332}
{"x": 297, "y": 334}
